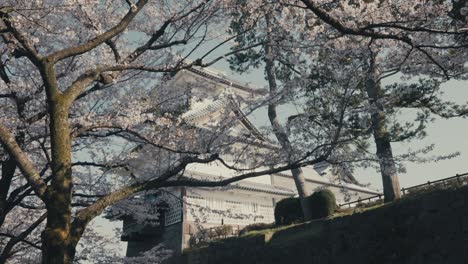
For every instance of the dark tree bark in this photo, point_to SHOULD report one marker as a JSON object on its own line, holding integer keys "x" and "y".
{"x": 8, "y": 171}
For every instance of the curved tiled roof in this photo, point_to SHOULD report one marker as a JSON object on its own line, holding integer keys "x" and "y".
{"x": 267, "y": 188}
{"x": 228, "y": 100}
{"x": 225, "y": 102}
{"x": 246, "y": 122}
{"x": 205, "y": 111}
{"x": 224, "y": 81}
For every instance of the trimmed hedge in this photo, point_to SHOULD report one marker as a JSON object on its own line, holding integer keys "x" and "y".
{"x": 288, "y": 211}
{"x": 322, "y": 204}
{"x": 256, "y": 227}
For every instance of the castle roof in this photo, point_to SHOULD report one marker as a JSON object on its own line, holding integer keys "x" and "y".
{"x": 222, "y": 79}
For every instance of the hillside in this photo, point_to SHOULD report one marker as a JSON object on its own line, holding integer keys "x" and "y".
{"x": 428, "y": 228}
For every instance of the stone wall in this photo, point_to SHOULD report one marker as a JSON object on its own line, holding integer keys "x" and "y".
{"x": 170, "y": 237}
{"x": 430, "y": 228}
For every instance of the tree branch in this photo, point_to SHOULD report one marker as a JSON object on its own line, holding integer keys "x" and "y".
{"x": 21, "y": 238}
{"x": 29, "y": 50}
{"x": 365, "y": 32}
{"x": 96, "y": 41}
{"x": 24, "y": 164}
{"x": 84, "y": 216}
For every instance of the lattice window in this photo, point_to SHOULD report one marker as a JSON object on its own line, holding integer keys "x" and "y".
{"x": 174, "y": 213}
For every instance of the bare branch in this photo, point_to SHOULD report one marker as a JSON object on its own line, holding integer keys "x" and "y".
{"x": 113, "y": 47}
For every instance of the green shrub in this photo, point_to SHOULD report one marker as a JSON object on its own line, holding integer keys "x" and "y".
{"x": 255, "y": 227}
{"x": 288, "y": 211}
{"x": 322, "y": 204}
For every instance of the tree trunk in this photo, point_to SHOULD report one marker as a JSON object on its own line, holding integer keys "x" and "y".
{"x": 55, "y": 238}
{"x": 300, "y": 182}
{"x": 391, "y": 185}
{"x": 279, "y": 131}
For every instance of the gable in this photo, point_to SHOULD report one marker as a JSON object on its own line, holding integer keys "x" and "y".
{"x": 214, "y": 99}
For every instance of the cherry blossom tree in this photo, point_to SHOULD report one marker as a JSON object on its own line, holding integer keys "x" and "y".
{"x": 78, "y": 100}
{"x": 65, "y": 82}
{"x": 77, "y": 92}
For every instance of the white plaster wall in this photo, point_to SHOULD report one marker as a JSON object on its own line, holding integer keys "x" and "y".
{"x": 231, "y": 207}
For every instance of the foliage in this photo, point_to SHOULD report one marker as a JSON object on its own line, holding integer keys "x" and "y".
{"x": 256, "y": 227}
{"x": 206, "y": 235}
{"x": 288, "y": 211}
{"x": 322, "y": 203}
{"x": 333, "y": 72}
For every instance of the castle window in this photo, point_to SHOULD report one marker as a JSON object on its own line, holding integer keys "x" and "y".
{"x": 174, "y": 213}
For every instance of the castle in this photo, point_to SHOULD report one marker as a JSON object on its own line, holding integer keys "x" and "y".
{"x": 187, "y": 211}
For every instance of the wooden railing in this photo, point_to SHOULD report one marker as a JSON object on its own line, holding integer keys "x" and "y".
{"x": 359, "y": 201}
{"x": 459, "y": 179}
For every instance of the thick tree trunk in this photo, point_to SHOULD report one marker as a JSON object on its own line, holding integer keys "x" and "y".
{"x": 279, "y": 131}
{"x": 391, "y": 185}
{"x": 55, "y": 238}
